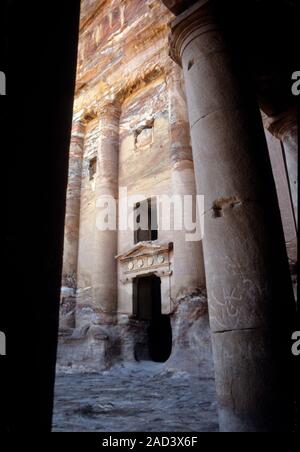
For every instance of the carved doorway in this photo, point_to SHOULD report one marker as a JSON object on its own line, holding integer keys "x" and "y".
{"x": 147, "y": 309}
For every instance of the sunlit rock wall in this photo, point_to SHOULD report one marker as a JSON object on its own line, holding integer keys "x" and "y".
{"x": 123, "y": 57}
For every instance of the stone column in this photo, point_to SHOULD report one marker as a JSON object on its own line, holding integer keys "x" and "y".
{"x": 106, "y": 241}
{"x": 73, "y": 205}
{"x": 285, "y": 128}
{"x": 71, "y": 240}
{"x": 249, "y": 290}
{"x": 188, "y": 266}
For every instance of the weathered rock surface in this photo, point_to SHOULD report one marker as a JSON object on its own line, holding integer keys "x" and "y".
{"x": 94, "y": 348}
{"x": 192, "y": 350}
{"x": 131, "y": 131}
{"x": 99, "y": 347}
{"x": 142, "y": 397}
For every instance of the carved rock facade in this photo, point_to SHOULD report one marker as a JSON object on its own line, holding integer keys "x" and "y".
{"x": 131, "y": 137}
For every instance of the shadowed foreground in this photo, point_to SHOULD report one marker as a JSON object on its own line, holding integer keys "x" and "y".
{"x": 139, "y": 397}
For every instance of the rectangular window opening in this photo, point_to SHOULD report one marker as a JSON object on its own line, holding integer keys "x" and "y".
{"x": 92, "y": 168}
{"x": 150, "y": 233}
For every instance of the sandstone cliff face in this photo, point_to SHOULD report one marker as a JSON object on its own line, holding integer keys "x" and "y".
{"x": 123, "y": 58}
{"x": 123, "y": 45}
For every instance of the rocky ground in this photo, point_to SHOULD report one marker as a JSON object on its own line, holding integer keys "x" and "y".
{"x": 137, "y": 397}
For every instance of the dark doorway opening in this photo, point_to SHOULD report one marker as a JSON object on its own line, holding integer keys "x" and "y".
{"x": 147, "y": 308}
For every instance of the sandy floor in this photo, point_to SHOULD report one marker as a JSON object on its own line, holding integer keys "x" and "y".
{"x": 142, "y": 397}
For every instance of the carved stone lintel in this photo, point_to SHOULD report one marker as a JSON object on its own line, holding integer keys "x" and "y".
{"x": 135, "y": 82}
{"x": 160, "y": 273}
{"x": 107, "y": 109}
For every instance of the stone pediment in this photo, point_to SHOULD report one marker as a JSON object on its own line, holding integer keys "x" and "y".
{"x": 144, "y": 249}
{"x": 146, "y": 257}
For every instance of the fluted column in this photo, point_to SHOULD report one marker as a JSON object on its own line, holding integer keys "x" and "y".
{"x": 189, "y": 272}
{"x": 285, "y": 128}
{"x": 106, "y": 241}
{"x": 249, "y": 290}
{"x": 72, "y": 219}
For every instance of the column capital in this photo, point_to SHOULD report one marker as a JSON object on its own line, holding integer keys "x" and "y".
{"x": 196, "y": 20}
{"x": 78, "y": 118}
{"x": 110, "y": 110}
{"x": 78, "y": 129}
{"x": 281, "y": 125}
